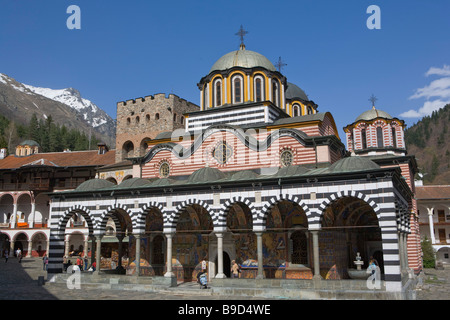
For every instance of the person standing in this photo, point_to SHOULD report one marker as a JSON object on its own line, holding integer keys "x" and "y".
{"x": 45, "y": 261}
{"x": 235, "y": 269}
{"x": 6, "y": 256}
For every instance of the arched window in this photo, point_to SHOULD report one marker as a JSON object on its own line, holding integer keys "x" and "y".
{"x": 380, "y": 137}
{"x": 238, "y": 89}
{"x": 157, "y": 116}
{"x": 174, "y": 117}
{"x": 259, "y": 88}
{"x": 364, "y": 139}
{"x": 275, "y": 93}
{"x": 217, "y": 93}
{"x": 310, "y": 110}
{"x": 394, "y": 138}
{"x": 296, "y": 110}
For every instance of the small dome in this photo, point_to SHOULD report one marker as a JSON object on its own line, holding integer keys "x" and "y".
{"x": 351, "y": 164}
{"x": 94, "y": 184}
{"x": 244, "y": 175}
{"x": 291, "y": 171}
{"x": 373, "y": 114}
{"x": 30, "y": 143}
{"x": 134, "y": 182}
{"x": 294, "y": 91}
{"x": 206, "y": 174}
{"x": 242, "y": 58}
{"x": 162, "y": 182}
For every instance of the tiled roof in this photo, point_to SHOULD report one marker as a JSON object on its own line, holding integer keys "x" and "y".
{"x": 60, "y": 159}
{"x": 433, "y": 192}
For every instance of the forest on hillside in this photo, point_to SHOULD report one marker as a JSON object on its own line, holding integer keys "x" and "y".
{"x": 428, "y": 140}
{"x": 50, "y": 136}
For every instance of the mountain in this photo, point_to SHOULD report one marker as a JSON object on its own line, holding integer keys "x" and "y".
{"x": 429, "y": 141}
{"x": 19, "y": 101}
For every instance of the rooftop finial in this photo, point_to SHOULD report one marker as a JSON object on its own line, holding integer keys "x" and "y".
{"x": 280, "y": 64}
{"x": 241, "y": 33}
{"x": 373, "y": 99}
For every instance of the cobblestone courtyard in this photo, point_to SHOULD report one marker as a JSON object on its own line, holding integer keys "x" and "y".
{"x": 19, "y": 281}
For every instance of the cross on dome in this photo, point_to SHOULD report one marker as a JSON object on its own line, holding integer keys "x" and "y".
{"x": 241, "y": 33}
{"x": 279, "y": 64}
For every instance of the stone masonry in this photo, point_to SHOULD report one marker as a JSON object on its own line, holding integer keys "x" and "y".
{"x": 141, "y": 120}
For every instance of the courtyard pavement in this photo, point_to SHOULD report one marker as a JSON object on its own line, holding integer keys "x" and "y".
{"x": 19, "y": 281}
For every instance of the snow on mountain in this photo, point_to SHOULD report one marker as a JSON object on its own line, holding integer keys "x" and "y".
{"x": 69, "y": 96}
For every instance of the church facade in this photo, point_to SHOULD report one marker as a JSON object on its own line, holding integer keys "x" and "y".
{"x": 255, "y": 174}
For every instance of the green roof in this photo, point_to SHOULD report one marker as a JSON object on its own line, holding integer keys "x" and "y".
{"x": 94, "y": 184}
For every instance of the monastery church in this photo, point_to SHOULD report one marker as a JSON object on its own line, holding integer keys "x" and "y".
{"x": 256, "y": 174}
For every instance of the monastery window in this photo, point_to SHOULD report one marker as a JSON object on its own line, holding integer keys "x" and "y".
{"x": 237, "y": 89}
{"x": 217, "y": 93}
{"x": 182, "y": 119}
{"x": 275, "y": 93}
{"x": 364, "y": 139}
{"x": 296, "y": 110}
{"x": 394, "y": 138}
{"x": 174, "y": 117}
{"x": 137, "y": 119}
{"x": 164, "y": 170}
{"x": 310, "y": 110}
{"x": 128, "y": 120}
{"x": 147, "y": 118}
{"x": 222, "y": 153}
{"x": 259, "y": 88}
{"x": 286, "y": 158}
{"x": 380, "y": 137}
{"x": 157, "y": 116}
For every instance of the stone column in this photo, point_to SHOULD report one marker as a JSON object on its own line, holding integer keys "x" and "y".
{"x": 315, "y": 237}
{"x": 86, "y": 245}
{"x": 33, "y": 212}
{"x": 14, "y": 216}
{"x": 66, "y": 245}
{"x": 430, "y": 220}
{"x": 120, "y": 252}
{"x": 97, "y": 253}
{"x": 401, "y": 250}
{"x": 220, "y": 274}
{"x": 30, "y": 248}
{"x": 138, "y": 254}
{"x": 169, "y": 273}
{"x": 405, "y": 244}
{"x": 259, "y": 244}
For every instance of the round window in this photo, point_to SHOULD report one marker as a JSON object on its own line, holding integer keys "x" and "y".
{"x": 164, "y": 170}
{"x": 222, "y": 153}
{"x": 286, "y": 158}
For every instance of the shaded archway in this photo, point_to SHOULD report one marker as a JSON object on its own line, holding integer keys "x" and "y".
{"x": 154, "y": 243}
{"x": 117, "y": 241}
{"x": 6, "y": 209}
{"x": 191, "y": 241}
{"x": 39, "y": 244}
{"x": 286, "y": 242}
{"x": 349, "y": 226}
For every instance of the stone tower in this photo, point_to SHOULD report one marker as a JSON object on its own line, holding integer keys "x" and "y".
{"x": 141, "y": 120}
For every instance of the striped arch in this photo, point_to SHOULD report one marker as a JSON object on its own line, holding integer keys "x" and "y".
{"x": 347, "y": 193}
{"x": 141, "y": 216}
{"x": 103, "y": 219}
{"x": 281, "y": 197}
{"x": 83, "y": 211}
{"x": 171, "y": 220}
{"x": 226, "y": 206}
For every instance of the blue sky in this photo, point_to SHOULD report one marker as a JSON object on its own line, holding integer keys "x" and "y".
{"x": 130, "y": 49}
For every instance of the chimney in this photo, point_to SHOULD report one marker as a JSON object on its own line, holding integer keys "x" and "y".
{"x": 102, "y": 148}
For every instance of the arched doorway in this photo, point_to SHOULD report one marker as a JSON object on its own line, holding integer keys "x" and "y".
{"x": 226, "y": 264}
{"x": 286, "y": 242}
{"x": 191, "y": 242}
{"x": 349, "y": 226}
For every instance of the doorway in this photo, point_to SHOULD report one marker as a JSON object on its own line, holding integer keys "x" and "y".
{"x": 226, "y": 264}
